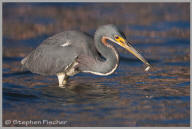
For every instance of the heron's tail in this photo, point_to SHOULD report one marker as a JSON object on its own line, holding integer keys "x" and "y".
{"x": 23, "y": 61}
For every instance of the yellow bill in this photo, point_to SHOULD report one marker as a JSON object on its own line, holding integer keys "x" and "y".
{"x": 122, "y": 42}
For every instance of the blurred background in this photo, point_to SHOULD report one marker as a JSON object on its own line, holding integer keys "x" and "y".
{"x": 129, "y": 97}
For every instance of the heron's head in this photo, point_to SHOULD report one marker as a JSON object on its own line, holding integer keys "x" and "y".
{"x": 112, "y": 33}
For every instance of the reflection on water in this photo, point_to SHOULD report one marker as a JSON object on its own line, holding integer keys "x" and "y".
{"x": 129, "y": 97}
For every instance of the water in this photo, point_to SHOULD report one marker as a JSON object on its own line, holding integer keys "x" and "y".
{"x": 130, "y": 96}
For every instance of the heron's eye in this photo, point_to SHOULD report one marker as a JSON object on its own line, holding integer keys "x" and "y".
{"x": 119, "y": 39}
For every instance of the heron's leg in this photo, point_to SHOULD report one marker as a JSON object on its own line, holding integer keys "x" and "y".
{"x": 72, "y": 70}
{"x": 65, "y": 80}
{"x": 62, "y": 78}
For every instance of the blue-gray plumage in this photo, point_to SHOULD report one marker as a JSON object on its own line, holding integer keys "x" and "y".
{"x": 70, "y": 52}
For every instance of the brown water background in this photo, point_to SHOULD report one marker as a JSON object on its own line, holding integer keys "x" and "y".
{"x": 130, "y": 96}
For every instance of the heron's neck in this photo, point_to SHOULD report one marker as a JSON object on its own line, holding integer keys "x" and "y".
{"x": 110, "y": 54}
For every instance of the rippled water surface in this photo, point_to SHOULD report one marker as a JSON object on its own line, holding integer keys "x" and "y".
{"x": 130, "y": 96}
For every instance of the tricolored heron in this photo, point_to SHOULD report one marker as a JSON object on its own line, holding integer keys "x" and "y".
{"x": 70, "y": 52}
